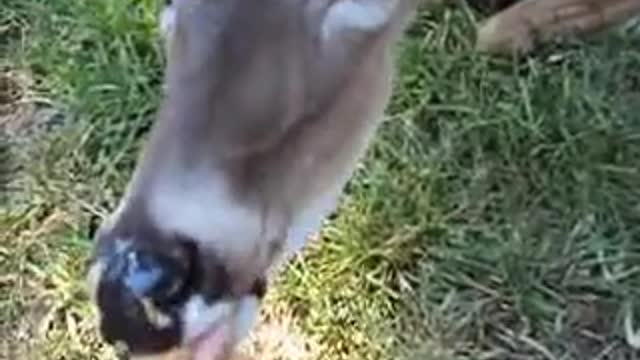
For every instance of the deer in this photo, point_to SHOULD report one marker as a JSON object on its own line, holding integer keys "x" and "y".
{"x": 267, "y": 108}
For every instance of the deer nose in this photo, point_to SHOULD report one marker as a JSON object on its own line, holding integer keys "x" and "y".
{"x": 139, "y": 297}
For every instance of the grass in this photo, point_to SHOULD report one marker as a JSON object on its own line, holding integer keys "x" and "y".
{"x": 496, "y": 215}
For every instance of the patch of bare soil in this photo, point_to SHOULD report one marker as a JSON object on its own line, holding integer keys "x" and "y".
{"x": 22, "y": 116}
{"x": 22, "y": 120}
{"x": 15, "y": 111}
{"x": 11, "y": 91}
{"x": 589, "y": 325}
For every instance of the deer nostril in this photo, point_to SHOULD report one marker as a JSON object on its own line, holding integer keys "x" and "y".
{"x": 161, "y": 279}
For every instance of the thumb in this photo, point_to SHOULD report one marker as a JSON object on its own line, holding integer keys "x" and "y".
{"x": 216, "y": 346}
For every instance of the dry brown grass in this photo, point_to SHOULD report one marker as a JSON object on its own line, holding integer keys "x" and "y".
{"x": 278, "y": 336}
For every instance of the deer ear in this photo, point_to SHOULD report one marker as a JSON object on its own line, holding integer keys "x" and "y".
{"x": 358, "y": 16}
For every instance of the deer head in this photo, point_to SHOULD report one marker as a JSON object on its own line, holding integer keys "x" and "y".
{"x": 268, "y": 107}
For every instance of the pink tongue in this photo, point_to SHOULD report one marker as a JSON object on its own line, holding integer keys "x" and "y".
{"x": 212, "y": 346}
